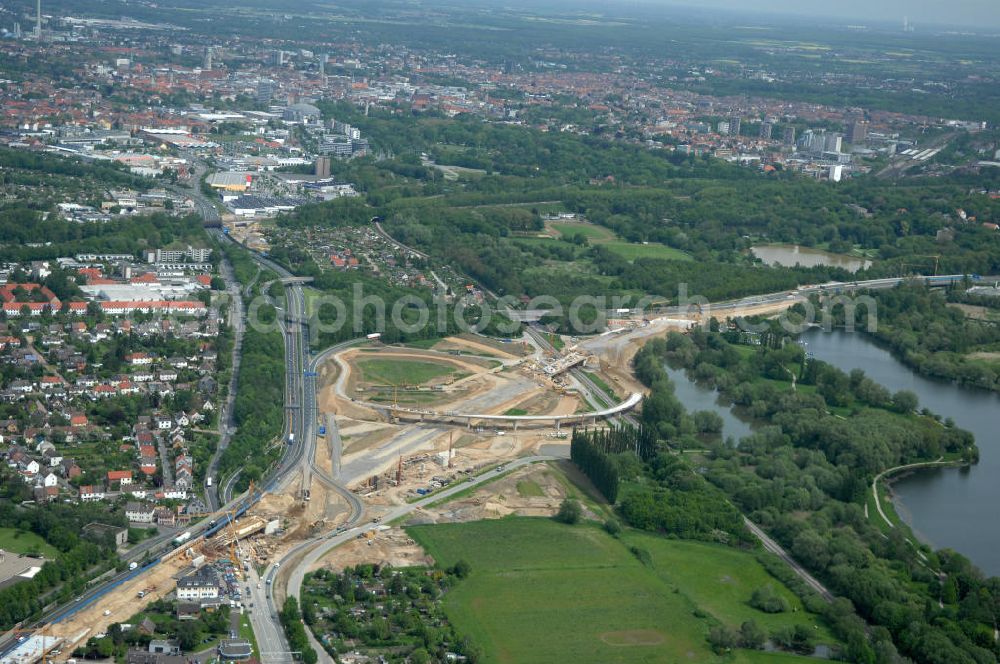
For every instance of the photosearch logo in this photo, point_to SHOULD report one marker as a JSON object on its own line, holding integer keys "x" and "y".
{"x": 370, "y": 313}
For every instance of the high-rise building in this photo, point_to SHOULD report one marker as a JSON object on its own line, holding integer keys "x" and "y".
{"x": 833, "y": 143}
{"x": 765, "y": 130}
{"x": 322, "y": 167}
{"x": 359, "y": 147}
{"x": 17, "y": 31}
{"x": 265, "y": 91}
{"x": 208, "y": 59}
{"x": 788, "y": 136}
{"x": 278, "y": 58}
{"x": 735, "y": 124}
{"x": 38, "y": 22}
{"x": 859, "y": 132}
{"x": 723, "y": 128}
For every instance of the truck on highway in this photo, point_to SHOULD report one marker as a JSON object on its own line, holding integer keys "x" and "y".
{"x": 133, "y": 565}
{"x": 208, "y": 481}
{"x": 291, "y": 438}
{"x": 183, "y": 537}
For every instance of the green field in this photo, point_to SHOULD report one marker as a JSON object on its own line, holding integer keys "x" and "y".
{"x": 541, "y": 591}
{"x": 601, "y": 383}
{"x": 402, "y": 372}
{"x": 22, "y": 541}
{"x": 721, "y": 580}
{"x": 627, "y": 250}
{"x": 592, "y": 232}
{"x": 630, "y": 251}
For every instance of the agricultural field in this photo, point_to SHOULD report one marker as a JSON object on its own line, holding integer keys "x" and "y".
{"x": 541, "y": 591}
{"x": 22, "y": 541}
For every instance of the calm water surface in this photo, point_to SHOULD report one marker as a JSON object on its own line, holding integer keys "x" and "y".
{"x": 790, "y": 255}
{"x": 699, "y": 397}
{"x": 949, "y": 507}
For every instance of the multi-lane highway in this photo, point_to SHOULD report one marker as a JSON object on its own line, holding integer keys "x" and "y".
{"x": 300, "y": 434}
{"x": 299, "y": 460}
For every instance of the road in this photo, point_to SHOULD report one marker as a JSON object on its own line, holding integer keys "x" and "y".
{"x": 299, "y": 459}
{"x": 593, "y": 394}
{"x": 299, "y": 454}
{"x": 297, "y": 562}
{"x": 775, "y": 548}
{"x": 237, "y": 317}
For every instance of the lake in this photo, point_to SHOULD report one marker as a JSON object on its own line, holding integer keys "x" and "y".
{"x": 947, "y": 507}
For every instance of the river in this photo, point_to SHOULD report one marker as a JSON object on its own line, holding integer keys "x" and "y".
{"x": 700, "y": 397}
{"x": 947, "y": 507}
{"x": 790, "y": 255}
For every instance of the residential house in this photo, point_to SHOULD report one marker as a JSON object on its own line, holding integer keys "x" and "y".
{"x": 165, "y": 516}
{"x": 121, "y": 477}
{"x": 200, "y": 585}
{"x": 137, "y": 512}
{"x": 90, "y": 493}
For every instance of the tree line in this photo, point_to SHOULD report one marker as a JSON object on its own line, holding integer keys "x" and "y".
{"x": 587, "y": 451}
{"x": 804, "y": 475}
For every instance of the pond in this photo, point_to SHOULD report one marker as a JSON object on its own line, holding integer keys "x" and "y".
{"x": 790, "y": 255}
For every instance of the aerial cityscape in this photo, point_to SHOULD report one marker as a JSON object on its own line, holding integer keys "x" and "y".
{"x": 371, "y": 331}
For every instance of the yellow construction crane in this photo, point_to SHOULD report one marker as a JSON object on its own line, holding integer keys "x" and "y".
{"x": 232, "y": 542}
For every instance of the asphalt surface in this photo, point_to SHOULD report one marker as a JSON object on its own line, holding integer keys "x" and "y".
{"x": 227, "y": 425}
{"x": 297, "y": 562}
{"x": 298, "y": 454}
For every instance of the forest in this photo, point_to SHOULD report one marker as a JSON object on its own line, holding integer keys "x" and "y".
{"x": 928, "y": 331}
{"x": 258, "y": 407}
{"x": 803, "y": 475}
{"x": 487, "y": 225}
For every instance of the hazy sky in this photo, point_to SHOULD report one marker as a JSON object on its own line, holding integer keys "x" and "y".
{"x": 980, "y": 13}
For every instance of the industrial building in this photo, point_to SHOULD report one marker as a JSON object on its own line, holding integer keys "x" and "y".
{"x": 16, "y": 567}
{"x": 230, "y": 181}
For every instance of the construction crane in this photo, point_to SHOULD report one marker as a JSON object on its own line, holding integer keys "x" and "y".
{"x": 251, "y": 489}
{"x": 232, "y": 542}
{"x": 904, "y": 264}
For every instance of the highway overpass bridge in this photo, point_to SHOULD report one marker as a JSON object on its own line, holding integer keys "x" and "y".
{"x": 397, "y": 413}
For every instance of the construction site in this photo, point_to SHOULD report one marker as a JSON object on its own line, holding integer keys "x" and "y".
{"x": 388, "y": 461}
{"x": 242, "y": 544}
